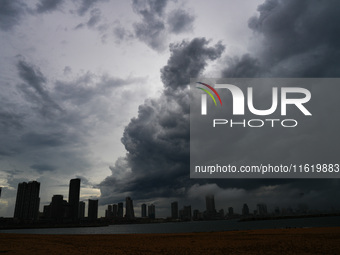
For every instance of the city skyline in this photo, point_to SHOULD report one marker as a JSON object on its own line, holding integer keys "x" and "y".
{"x": 98, "y": 90}
{"x": 28, "y": 193}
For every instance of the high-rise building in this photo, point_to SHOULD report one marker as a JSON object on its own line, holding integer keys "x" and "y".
{"x": 129, "y": 212}
{"x": 114, "y": 210}
{"x": 81, "y": 214}
{"x": 185, "y": 213}
{"x": 152, "y": 211}
{"x": 120, "y": 210}
{"x": 108, "y": 212}
{"x": 230, "y": 211}
{"x": 174, "y": 210}
{"x": 73, "y": 198}
{"x": 210, "y": 204}
{"x": 93, "y": 210}
{"x": 57, "y": 211}
{"x": 143, "y": 210}
{"x": 245, "y": 210}
{"x": 262, "y": 209}
{"x": 27, "y": 201}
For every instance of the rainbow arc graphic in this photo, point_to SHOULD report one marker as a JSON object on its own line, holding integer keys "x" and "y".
{"x": 209, "y": 93}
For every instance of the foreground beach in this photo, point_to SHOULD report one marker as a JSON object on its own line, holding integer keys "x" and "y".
{"x": 279, "y": 241}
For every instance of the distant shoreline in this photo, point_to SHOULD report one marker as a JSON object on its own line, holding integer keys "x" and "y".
{"x": 104, "y": 223}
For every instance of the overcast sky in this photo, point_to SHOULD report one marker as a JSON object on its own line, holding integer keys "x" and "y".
{"x": 98, "y": 90}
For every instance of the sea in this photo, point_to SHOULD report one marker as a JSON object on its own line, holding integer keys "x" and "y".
{"x": 189, "y": 227}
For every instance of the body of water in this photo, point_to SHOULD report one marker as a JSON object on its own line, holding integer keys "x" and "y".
{"x": 189, "y": 227}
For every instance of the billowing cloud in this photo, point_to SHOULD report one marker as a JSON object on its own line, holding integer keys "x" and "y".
{"x": 180, "y": 21}
{"x": 11, "y": 12}
{"x": 293, "y": 39}
{"x": 157, "y": 140}
{"x": 156, "y": 24}
{"x": 151, "y": 29}
{"x": 298, "y": 39}
{"x": 48, "y": 5}
{"x": 86, "y": 5}
{"x": 34, "y": 88}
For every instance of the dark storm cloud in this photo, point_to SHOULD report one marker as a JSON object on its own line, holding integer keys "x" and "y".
{"x": 299, "y": 39}
{"x": 148, "y": 8}
{"x": 10, "y": 120}
{"x": 41, "y": 140}
{"x": 156, "y": 24}
{"x": 41, "y": 168}
{"x": 152, "y": 28}
{"x": 188, "y": 60}
{"x": 34, "y": 88}
{"x": 180, "y": 21}
{"x": 157, "y": 140}
{"x": 121, "y": 33}
{"x": 48, "y": 5}
{"x": 11, "y": 12}
{"x": 95, "y": 18}
{"x": 86, "y": 5}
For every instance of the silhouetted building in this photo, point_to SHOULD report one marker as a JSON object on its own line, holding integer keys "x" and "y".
{"x": 197, "y": 215}
{"x": 230, "y": 212}
{"x": 129, "y": 212}
{"x": 185, "y": 213}
{"x": 114, "y": 210}
{"x": 210, "y": 212}
{"x": 262, "y": 209}
{"x": 174, "y": 210}
{"x": 93, "y": 210}
{"x": 81, "y": 214}
{"x": 108, "y": 212}
{"x": 152, "y": 211}
{"x": 27, "y": 201}
{"x": 58, "y": 208}
{"x": 143, "y": 210}
{"x": 47, "y": 211}
{"x": 73, "y": 198}
{"x": 120, "y": 212}
{"x": 245, "y": 210}
{"x": 221, "y": 214}
{"x": 210, "y": 204}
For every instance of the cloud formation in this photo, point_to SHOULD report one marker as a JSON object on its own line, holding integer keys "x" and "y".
{"x": 157, "y": 140}
{"x": 180, "y": 21}
{"x": 294, "y": 39}
{"x": 48, "y": 5}
{"x": 11, "y": 12}
{"x": 156, "y": 24}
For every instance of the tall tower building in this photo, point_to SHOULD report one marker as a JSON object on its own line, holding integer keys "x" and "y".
{"x": 27, "y": 202}
{"x": 120, "y": 210}
{"x": 129, "y": 212}
{"x": 81, "y": 214}
{"x": 93, "y": 210}
{"x": 174, "y": 210}
{"x": 152, "y": 211}
{"x": 143, "y": 208}
{"x": 245, "y": 210}
{"x": 114, "y": 210}
{"x": 210, "y": 204}
{"x": 57, "y": 206}
{"x": 73, "y": 198}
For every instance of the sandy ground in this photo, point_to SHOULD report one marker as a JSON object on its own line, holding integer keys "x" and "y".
{"x": 285, "y": 241}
